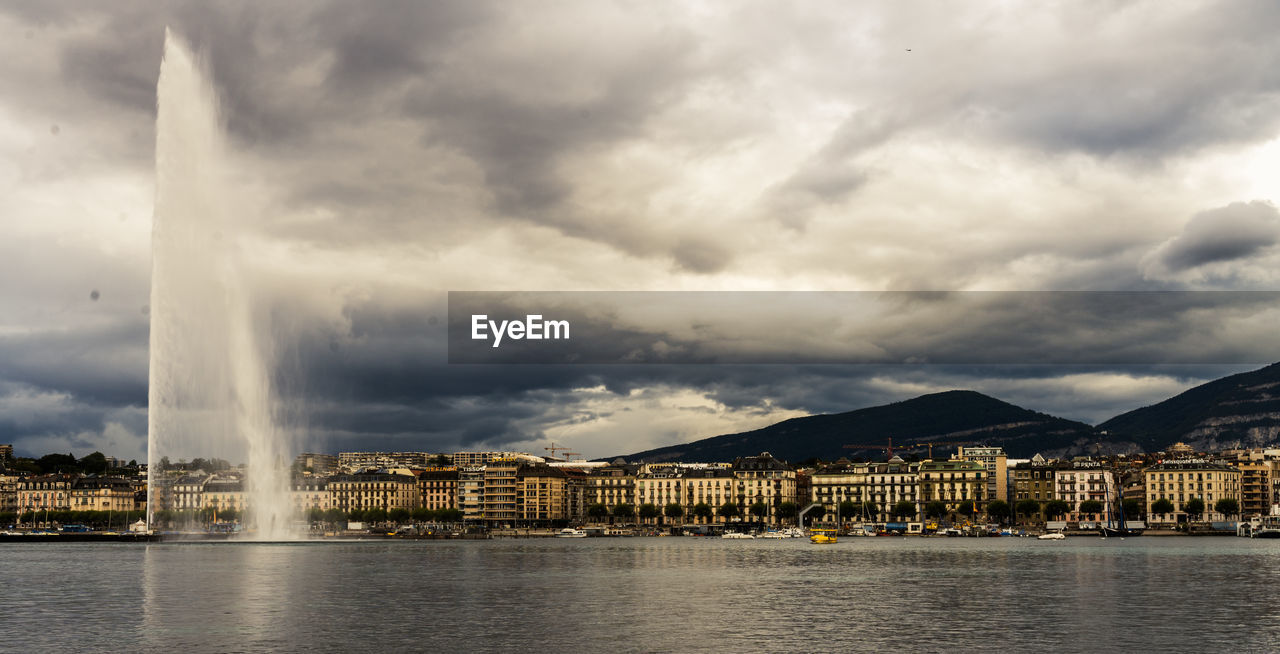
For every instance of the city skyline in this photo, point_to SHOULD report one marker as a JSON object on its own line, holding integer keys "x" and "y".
{"x": 393, "y": 156}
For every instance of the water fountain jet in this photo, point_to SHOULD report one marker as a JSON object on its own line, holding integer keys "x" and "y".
{"x": 210, "y": 390}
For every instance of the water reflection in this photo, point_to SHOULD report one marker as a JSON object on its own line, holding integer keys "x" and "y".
{"x": 648, "y": 595}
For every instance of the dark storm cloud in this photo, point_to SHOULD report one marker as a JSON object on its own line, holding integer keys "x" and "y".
{"x": 435, "y": 126}
{"x": 1237, "y": 231}
{"x": 894, "y": 327}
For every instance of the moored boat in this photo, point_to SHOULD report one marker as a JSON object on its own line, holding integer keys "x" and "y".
{"x": 1055, "y": 535}
{"x": 570, "y": 532}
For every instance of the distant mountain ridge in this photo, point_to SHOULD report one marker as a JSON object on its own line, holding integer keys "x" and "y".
{"x": 950, "y": 415}
{"x": 1241, "y": 410}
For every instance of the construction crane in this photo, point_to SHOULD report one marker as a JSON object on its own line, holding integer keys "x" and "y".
{"x": 887, "y": 448}
{"x": 568, "y": 456}
{"x": 555, "y": 448}
{"x": 930, "y": 444}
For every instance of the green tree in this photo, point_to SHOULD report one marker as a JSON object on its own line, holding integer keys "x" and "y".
{"x": 449, "y": 515}
{"x": 423, "y": 514}
{"x": 904, "y": 509}
{"x": 94, "y": 464}
{"x": 315, "y": 515}
{"x": 849, "y": 509}
{"x": 1227, "y": 506}
{"x": 1162, "y": 506}
{"x": 673, "y": 511}
{"x": 355, "y": 515}
{"x": 624, "y": 511}
{"x": 1132, "y": 508}
{"x": 375, "y": 515}
{"x": 597, "y": 511}
{"x": 1194, "y": 507}
{"x": 817, "y": 513}
{"x": 649, "y": 511}
{"x": 1027, "y": 508}
{"x": 787, "y": 510}
{"x": 729, "y": 510}
{"x": 399, "y": 516}
{"x": 1090, "y": 507}
{"x": 1056, "y": 508}
{"x": 869, "y": 509}
{"x": 334, "y": 516}
{"x": 759, "y": 510}
{"x": 51, "y": 463}
{"x": 967, "y": 509}
{"x": 702, "y": 510}
{"x": 935, "y": 509}
{"x": 998, "y": 510}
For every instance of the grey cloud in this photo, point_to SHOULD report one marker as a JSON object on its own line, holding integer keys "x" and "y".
{"x": 1236, "y": 231}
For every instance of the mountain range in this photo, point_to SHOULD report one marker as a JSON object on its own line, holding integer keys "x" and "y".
{"x": 1239, "y": 410}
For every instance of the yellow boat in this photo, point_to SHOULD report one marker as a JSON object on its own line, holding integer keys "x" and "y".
{"x": 822, "y": 536}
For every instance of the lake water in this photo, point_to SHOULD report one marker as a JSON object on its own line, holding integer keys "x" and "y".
{"x": 645, "y": 594}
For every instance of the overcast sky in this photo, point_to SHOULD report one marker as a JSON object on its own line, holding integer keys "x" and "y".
{"x": 386, "y": 154}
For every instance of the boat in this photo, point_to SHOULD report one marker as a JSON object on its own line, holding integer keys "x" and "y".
{"x": 570, "y": 532}
{"x": 733, "y": 535}
{"x": 1261, "y": 527}
{"x": 1053, "y": 535}
{"x": 772, "y": 535}
{"x": 1116, "y": 525}
{"x": 822, "y": 536}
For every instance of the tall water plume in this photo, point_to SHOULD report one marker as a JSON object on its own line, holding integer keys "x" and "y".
{"x": 212, "y": 351}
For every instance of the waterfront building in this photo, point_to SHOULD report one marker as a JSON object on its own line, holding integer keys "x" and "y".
{"x": 501, "y": 492}
{"x": 373, "y": 490}
{"x": 763, "y": 479}
{"x": 956, "y": 483}
{"x": 714, "y": 487}
{"x": 616, "y": 484}
{"x": 187, "y": 492}
{"x": 543, "y": 495}
{"x": 1133, "y": 486}
{"x": 876, "y": 488}
{"x": 1083, "y": 481}
{"x": 9, "y": 493}
{"x": 838, "y": 482}
{"x": 1257, "y": 480}
{"x": 462, "y": 459}
{"x": 1032, "y": 480}
{"x": 662, "y": 485}
{"x": 438, "y": 488}
{"x": 892, "y": 482}
{"x": 1182, "y": 480}
{"x": 45, "y": 493}
{"x": 321, "y": 465}
{"x": 223, "y": 493}
{"x": 995, "y": 461}
{"x": 101, "y": 494}
{"x": 471, "y": 493}
{"x": 358, "y": 461}
{"x": 310, "y": 493}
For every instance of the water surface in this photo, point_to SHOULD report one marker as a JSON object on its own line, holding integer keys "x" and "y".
{"x": 645, "y": 594}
